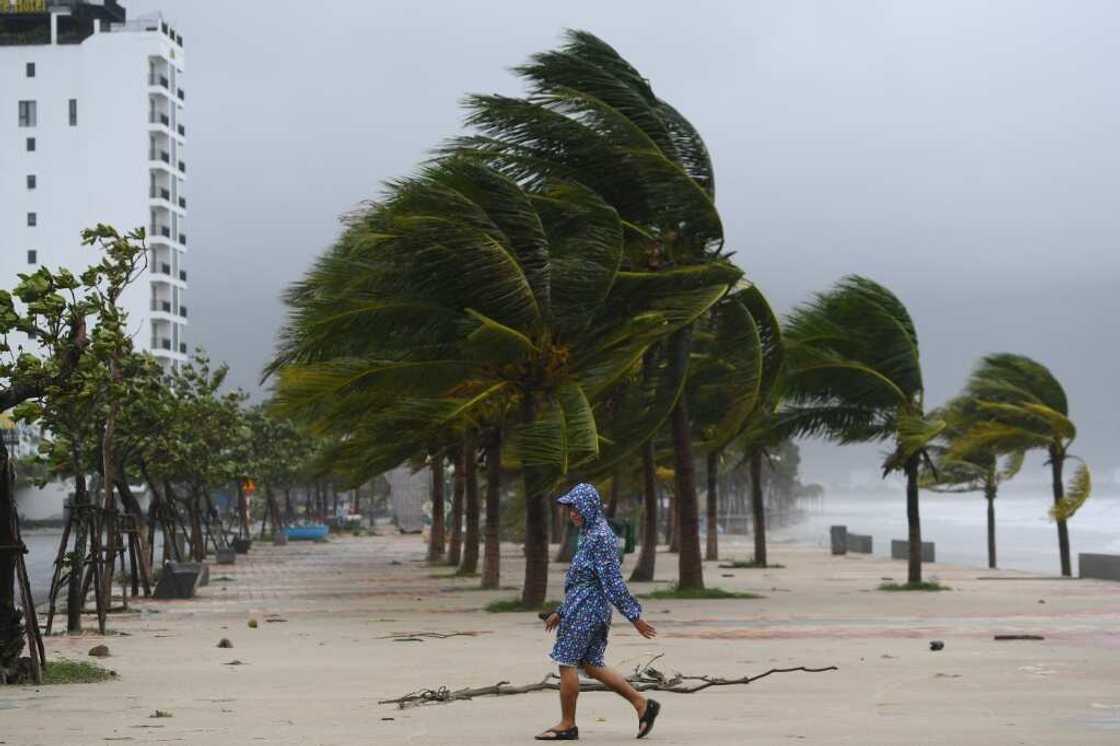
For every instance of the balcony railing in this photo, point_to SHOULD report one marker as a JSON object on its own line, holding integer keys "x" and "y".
{"x": 162, "y": 155}
{"x": 161, "y": 305}
{"x": 160, "y": 119}
{"x": 161, "y": 193}
{"x": 165, "y": 344}
{"x": 161, "y": 230}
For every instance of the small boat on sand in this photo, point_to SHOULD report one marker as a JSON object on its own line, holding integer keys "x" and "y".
{"x": 309, "y": 532}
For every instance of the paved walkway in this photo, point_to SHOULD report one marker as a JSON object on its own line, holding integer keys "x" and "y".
{"x": 321, "y": 657}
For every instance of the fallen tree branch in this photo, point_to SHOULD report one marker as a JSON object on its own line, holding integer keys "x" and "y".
{"x": 434, "y": 635}
{"x": 645, "y": 678}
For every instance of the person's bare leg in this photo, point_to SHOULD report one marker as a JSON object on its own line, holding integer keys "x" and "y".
{"x": 569, "y": 693}
{"x": 619, "y": 685}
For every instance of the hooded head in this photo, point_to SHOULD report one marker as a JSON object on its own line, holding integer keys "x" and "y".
{"x": 585, "y": 499}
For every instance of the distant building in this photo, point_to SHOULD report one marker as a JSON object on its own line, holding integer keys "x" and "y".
{"x": 92, "y": 130}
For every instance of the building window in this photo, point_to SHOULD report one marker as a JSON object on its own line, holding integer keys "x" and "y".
{"x": 31, "y": 69}
{"x": 32, "y": 219}
{"x": 73, "y": 112}
{"x": 30, "y": 144}
{"x": 27, "y": 114}
{"x": 31, "y": 181}
{"x": 32, "y": 257}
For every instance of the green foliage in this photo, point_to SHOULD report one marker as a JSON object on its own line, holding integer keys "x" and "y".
{"x": 515, "y": 604}
{"x": 695, "y": 594}
{"x": 75, "y": 672}
{"x": 925, "y": 585}
{"x": 854, "y": 373}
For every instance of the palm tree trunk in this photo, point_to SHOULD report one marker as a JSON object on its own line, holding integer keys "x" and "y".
{"x": 712, "y": 550}
{"x": 913, "y": 519}
{"x": 758, "y": 508}
{"x": 537, "y": 512}
{"x": 990, "y": 496}
{"x": 491, "y": 563}
{"x": 470, "y": 476}
{"x": 616, "y": 491}
{"x": 1057, "y": 461}
{"x": 455, "y": 546}
{"x": 647, "y": 557}
{"x": 435, "y": 543}
{"x": 690, "y": 566}
{"x": 672, "y": 524}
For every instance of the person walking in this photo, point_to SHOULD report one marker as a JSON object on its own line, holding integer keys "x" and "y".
{"x": 593, "y": 583}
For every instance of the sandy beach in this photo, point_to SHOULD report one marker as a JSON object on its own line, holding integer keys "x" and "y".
{"x": 314, "y": 669}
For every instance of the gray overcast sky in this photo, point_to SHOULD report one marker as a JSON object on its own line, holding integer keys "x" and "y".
{"x": 964, "y": 153}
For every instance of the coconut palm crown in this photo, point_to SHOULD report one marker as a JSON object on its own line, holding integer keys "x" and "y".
{"x": 854, "y": 375}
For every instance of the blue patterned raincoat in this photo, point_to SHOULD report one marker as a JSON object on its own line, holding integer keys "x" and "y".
{"x": 594, "y": 582}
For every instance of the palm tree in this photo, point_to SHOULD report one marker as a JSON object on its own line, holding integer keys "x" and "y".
{"x": 732, "y": 384}
{"x": 526, "y": 319}
{"x": 592, "y": 117}
{"x": 1022, "y": 406}
{"x": 974, "y": 470}
{"x": 854, "y": 375}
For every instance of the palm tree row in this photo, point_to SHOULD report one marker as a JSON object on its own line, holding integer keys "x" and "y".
{"x": 550, "y": 297}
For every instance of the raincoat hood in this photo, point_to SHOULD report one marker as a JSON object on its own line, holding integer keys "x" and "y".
{"x": 584, "y": 498}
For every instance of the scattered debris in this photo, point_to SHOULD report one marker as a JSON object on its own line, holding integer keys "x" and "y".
{"x": 252, "y": 623}
{"x": 161, "y": 714}
{"x": 644, "y": 678}
{"x": 1041, "y": 601}
{"x": 99, "y": 651}
{"x": 275, "y": 619}
{"x": 388, "y": 718}
{"x": 936, "y": 645}
{"x": 410, "y": 636}
{"x": 888, "y": 657}
{"x": 947, "y": 675}
{"x": 727, "y": 575}
{"x": 225, "y": 643}
{"x": 1019, "y": 637}
{"x": 234, "y": 662}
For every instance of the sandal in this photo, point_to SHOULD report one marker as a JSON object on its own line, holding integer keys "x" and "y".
{"x": 571, "y": 734}
{"x": 645, "y": 722}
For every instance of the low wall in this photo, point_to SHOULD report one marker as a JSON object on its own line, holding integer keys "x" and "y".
{"x": 1102, "y": 566}
{"x": 839, "y": 539}
{"x": 901, "y": 550}
{"x": 859, "y": 543}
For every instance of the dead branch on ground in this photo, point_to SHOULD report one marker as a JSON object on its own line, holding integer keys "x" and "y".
{"x": 645, "y": 678}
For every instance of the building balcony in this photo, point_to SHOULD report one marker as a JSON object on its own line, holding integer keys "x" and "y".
{"x": 182, "y": 96}
{"x": 183, "y": 166}
{"x": 160, "y": 80}
{"x": 183, "y": 311}
{"x": 183, "y": 238}
{"x": 182, "y": 130}
{"x": 183, "y": 275}
{"x": 161, "y": 230}
{"x": 183, "y": 202}
{"x": 159, "y": 155}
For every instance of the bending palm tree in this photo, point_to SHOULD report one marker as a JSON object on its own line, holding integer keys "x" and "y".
{"x": 974, "y": 470}
{"x": 464, "y": 300}
{"x": 593, "y": 118}
{"x": 854, "y": 375}
{"x": 1024, "y": 407}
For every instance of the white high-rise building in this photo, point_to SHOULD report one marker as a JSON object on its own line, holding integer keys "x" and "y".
{"x": 92, "y": 131}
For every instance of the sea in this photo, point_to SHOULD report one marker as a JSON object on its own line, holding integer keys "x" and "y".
{"x": 1026, "y": 538}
